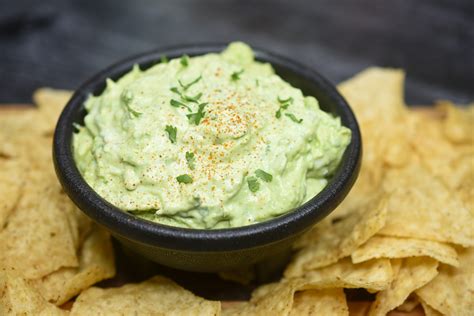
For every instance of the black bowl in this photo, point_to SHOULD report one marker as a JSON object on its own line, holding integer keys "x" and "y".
{"x": 196, "y": 249}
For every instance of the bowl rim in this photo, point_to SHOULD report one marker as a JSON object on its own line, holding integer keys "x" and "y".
{"x": 201, "y": 240}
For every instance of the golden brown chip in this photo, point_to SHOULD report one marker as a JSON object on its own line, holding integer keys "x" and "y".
{"x": 374, "y": 275}
{"x": 395, "y": 247}
{"x": 451, "y": 292}
{"x": 156, "y": 296}
{"x": 459, "y": 121}
{"x": 421, "y": 206}
{"x": 37, "y": 239}
{"x": 50, "y": 103}
{"x": 413, "y": 274}
{"x": 96, "y": 264}
{"x": 444, "y": 159}
{"x": 11, "y": 183}
{"x": 320, "y": 302}
{"x": 409, "y": 305}
{"x": 329, "y": 243}
{"x": 273, "y": 299}
{"x": 430, "y": 311}
{"x": 242, "y": 276}
{"x": 19, "y": 297}
{"x": 375, "y": 94}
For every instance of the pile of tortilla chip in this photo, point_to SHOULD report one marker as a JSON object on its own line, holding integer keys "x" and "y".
{"x": 405, "y": 232}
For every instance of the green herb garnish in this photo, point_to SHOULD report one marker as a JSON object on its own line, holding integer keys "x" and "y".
{"x": 164, "y": 59}
{"x": 265, "y": 176}
{"x": 175, "y": 90}
{"x": 178, "y": 104}
{"x": 294, "y": 118}
{"x": 278, "y": 113}
{"x": 197, "y": 117}
{"x": 287, "y": 100}
{"x": 253, "y": 184}
{"x": 284, "y": 104}
{"x": 194, "y": 99}
{"x": 190, "y": 160}
{"x": 172, "y": 131}
{"x": 184, "y": 178}
{"x": 236, "y": 75}
{"x": 186, "y": 86}
{"x": 184, "y": 61}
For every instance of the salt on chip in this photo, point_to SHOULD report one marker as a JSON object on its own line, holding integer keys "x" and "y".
{"x": 320, "y": 302}
{"x": 373, "y": 275}
{"x": 11, "y": 183}
{"x": 37, "y": 239}
{"x": 421, "y": 206}
{"x": 332, "y": 242}
{"x": 96, "y": 264}
{"x": 394, "y": 247}
{"x": 50, "y": 103}
{"x": 19, "y": 297}
{"x": 413, "y": 274}
{"x": 451, "y": 292}
{"x": 156, "y": 296}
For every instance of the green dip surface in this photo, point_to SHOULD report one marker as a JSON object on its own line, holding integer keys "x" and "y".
{"x": 213, "y": 141}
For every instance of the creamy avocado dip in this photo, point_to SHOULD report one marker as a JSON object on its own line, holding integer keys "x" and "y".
{"x": 212, "y": 141}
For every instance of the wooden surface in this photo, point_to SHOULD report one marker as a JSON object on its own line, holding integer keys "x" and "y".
{"x": 132, "y": 268}
{"x": 61, "y": 43}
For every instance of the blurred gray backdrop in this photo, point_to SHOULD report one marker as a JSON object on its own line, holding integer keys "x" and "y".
{"x": 61, "y": 43}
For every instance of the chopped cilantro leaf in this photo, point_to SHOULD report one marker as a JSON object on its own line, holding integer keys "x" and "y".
{"x": 186, "y": 86}
{"x": 184, "y": 61}
{"x": 253, "y": 184}
{"x": 178, "y": 104}
{"x": 184, "y": 178}
{"x": 175, "y": 90}
{"x": 172, "y": 131}
{"x": 236, "y": 75}
{"x": 190, "y": 159}
{"x": 287, "y": 100}
{"x": 265, "y": 176}
{"x": 194, "y": 99}
{"x": 278, "y": 113}
{"x": 163, "y": 59}
{"x": 294, "y": 118}
{"x": 197, "y": 117}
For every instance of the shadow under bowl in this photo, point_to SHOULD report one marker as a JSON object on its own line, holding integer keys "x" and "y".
{"x": 197, "y": 249}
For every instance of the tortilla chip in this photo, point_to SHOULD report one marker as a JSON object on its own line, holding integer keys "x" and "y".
{"x": 96, "y": 264}
{"x": 37, "y": 240}
{"x": 420, "y": 206}
{"x": 374, "y": 275}
{"x": 451, "y": 292}
{"x": 459, "y": 121}
{"x": 394, "y": 247}
{"x": 410, "y": 304}
{"x": 273, "y": 298}
{"x": 50, "y": 103}
{"x": 413, "y": 274}
{"x": 429, "y": 311}
{"x": 19, "y": 297}
{"x": 320, "y": 302}
{"x": 11, "y": 183}
{"x": 375, "y": 93}
{"x": 331, "y": 242}
{"x": 243, "y": 276}
{"x": 156, "y": 296}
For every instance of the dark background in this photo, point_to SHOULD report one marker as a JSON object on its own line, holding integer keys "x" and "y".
{"x": 61, "y": 43}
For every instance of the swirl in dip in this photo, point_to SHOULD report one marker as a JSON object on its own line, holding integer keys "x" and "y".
{"x": 213, "y": 141}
